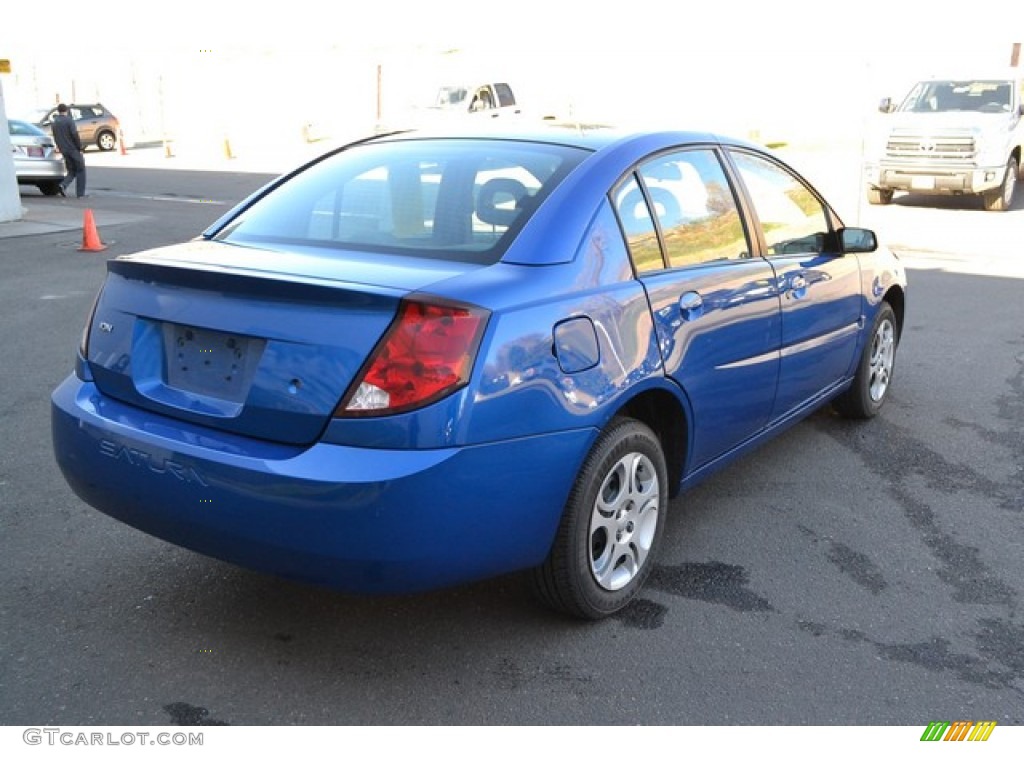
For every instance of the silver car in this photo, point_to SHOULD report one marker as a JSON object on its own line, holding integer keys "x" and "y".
{"x": 36, "y": 160}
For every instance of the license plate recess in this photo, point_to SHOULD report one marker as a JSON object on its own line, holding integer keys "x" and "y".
{"x": 210, "y": 363}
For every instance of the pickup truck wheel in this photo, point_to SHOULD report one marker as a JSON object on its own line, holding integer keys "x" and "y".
{"x": 879, "y": 196}
{"x": 1001, "y": 199}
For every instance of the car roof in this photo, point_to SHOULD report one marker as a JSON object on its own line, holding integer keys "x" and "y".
{"x": 593, "y": 137}
{"x": 996, "y": 76}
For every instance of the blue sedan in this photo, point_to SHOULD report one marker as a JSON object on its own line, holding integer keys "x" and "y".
{"x": 422, "y": 360}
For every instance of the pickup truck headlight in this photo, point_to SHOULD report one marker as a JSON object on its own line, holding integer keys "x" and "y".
{"x": 989, "y": 148}
{"x": 979, "y": 146}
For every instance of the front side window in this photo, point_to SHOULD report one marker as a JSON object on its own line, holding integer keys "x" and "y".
{"x": 793, "y": 219}
{"x": 458, "y": 199}
{"x": 482, "y": 101}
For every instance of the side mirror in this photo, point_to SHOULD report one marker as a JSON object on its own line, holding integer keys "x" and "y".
{"x": 886, "y": 105}
{"x": 857, "y": 240}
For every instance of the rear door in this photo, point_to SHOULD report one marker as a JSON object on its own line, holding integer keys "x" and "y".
{"x": 86, "y": 121}
{"x": 715, "y": 304}
{"x": 819, "y": 287}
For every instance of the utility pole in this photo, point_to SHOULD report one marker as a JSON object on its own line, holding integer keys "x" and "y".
{"x": 380, "y": 98}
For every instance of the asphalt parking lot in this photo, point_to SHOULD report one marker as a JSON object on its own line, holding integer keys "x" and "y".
{"x": 845, "y": 574}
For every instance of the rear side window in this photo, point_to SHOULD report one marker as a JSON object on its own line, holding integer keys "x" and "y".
{"x": 686, "y": 197}
{"x": 638, "y": 227}
{"x": 462, "y": 199}
{"x": 695, "y": 206}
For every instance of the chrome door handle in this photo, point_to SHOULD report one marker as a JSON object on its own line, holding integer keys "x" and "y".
{"x": 691, "y": 305}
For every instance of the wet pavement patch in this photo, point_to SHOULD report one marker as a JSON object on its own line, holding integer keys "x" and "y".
{"x": 897, "y": 457}
{"x": 712, "y": 582}
{"x": 642, "y": 614}
{"x": 184, "y": 715}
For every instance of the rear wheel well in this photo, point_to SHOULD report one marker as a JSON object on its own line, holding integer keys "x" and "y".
{"x": 663, "y": 413}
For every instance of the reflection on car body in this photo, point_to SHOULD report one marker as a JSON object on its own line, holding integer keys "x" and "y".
{"x": 423, "y": 359}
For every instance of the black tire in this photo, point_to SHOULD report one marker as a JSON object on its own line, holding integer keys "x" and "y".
{"x": 49, "y": 188}
{"x": 871, "y": 384}
{"x": 621, "y": 493}
{"x": 879, "y": 196}
{"x": 106, "y": 140}
{"x": 1001, "y": 199}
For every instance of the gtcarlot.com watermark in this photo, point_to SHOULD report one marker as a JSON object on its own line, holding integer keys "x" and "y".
{"x": 73, "y": 738}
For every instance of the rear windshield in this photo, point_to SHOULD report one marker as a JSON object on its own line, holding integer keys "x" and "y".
{"x": 19, "y": 128}
{"x": 461, "y": 199}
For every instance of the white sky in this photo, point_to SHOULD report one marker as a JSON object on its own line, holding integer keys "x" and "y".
{"x": 668, "y": 58}
{"x": 885, "y": 27}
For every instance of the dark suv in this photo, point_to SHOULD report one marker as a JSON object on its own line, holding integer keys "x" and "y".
{"x": 94, "y": 122}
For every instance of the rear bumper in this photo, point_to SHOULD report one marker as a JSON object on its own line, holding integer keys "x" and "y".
{"x": 38, "y": 171}
{"x": 356, "y": 519}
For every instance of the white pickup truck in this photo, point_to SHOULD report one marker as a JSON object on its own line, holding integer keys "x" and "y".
{"x": 951, "y": 137}
{"x": 489, "y": 99}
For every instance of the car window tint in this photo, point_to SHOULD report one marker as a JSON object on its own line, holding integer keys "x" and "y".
{"x": 793, "y": 220}
{"x": 638, "y": 227}
{"x": 505, "y": 95}
{"x": 460, "y": 199}
{"x": 19, "y": 128}
{"x": 695, "y": 206}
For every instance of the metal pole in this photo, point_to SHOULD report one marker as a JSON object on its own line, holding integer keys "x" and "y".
{"x": 10, "y": 196}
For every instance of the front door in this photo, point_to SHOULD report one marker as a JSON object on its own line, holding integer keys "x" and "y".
{"x": 819, "y": 287}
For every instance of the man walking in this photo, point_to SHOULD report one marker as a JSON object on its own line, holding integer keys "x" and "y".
{"x": 65, "y": 134}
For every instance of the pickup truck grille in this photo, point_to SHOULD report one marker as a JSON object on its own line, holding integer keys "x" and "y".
{"x": 930, "y": 147}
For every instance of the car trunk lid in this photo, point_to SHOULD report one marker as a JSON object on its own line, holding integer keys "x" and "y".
{"x": 225, "y": 336}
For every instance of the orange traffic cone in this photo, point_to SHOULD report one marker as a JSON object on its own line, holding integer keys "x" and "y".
{"x": 90, "y": 237}
{"x": 120, "y": 143}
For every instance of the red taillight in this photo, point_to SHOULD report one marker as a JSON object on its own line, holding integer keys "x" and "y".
{"x": 426, "y": 354}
